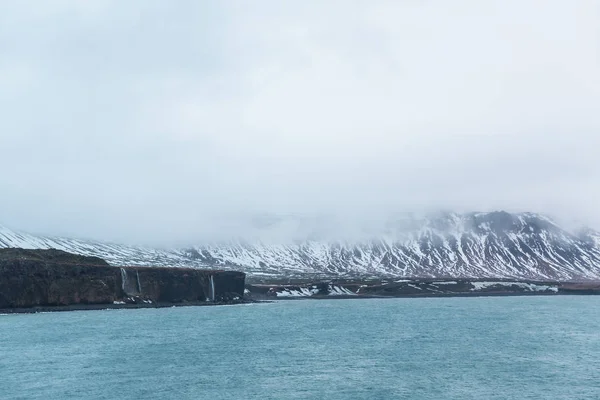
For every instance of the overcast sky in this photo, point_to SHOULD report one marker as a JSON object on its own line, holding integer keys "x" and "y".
{"x": 142, "y": 120}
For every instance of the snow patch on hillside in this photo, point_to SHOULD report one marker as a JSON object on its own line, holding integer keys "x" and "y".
{"x": 530, "y": 287}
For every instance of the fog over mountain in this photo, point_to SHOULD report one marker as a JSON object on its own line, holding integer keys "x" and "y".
{"x": 159, "y": 122}
{"x": 440, "y": 245}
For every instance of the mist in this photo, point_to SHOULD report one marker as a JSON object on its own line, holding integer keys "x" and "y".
{"x": 154, "y": 121}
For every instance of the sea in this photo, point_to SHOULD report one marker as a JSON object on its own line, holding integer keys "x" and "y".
{"x": 542, "y": 347}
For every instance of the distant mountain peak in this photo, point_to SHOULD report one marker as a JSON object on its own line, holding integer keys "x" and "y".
{"x": 442, "y": 244}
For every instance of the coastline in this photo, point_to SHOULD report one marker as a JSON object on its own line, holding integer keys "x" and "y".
{"x": 417, "y": 288}
{"x": 106, "y": 307}
{"x": 129, "y": 306}
{"x": 431, "y": 296}
{"x": 269, "y": 299}
{"x": 35, "y": 281}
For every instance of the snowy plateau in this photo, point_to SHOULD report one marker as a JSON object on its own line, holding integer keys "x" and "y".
{"x": 441, "y": 245}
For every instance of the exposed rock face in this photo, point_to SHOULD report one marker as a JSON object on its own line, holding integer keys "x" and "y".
{"x": 30, "y": 278}
{"x": 176, "y": 285}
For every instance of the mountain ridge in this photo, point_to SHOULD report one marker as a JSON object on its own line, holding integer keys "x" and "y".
{"x": 476, "y": 244}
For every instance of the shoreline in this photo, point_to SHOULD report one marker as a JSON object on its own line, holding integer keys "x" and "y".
{"x": 106, "y": 307}
{"x": 417, "y": 288}
{"x": 432, "y": 295}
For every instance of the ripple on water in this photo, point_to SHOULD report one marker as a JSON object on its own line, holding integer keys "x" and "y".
{"x": 452, "y": 348}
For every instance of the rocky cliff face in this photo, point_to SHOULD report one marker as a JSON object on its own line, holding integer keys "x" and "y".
{"x": 176, "y": 285}
{"x": 30, "y": 278}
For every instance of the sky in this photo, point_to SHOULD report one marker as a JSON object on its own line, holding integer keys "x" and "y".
{"x": 147, "y": 121}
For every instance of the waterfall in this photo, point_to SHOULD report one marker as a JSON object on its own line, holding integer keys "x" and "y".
{"x": 212, "y": 288}
{"x": 123, "y": 279}
{"x": 139, "y": 286}
{"x": 130, "y": 287}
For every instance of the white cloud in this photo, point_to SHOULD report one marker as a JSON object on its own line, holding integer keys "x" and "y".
{"x": 119, "y": 119}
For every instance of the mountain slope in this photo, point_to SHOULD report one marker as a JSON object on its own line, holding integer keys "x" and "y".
{"x": 115, "y": 254}
{"x": 495, "y": 244}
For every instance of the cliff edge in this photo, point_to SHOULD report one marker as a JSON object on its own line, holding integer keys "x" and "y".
{"x": 47, "y": 278}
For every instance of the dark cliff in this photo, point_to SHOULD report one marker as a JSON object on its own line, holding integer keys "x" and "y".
{"x": 41, "y": 278}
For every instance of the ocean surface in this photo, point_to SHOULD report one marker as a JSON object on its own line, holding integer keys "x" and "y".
{"x": 451, "y": 348}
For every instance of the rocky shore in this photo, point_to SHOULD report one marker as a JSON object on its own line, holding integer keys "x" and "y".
{"x": 415, "y": 287}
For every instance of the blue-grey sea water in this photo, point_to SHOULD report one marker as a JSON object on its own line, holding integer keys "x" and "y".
{"x": 452, "y": 348}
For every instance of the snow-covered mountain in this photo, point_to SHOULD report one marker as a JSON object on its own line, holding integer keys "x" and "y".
{"x": 496, "y": 244}
{"x": 115, "y": 254}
